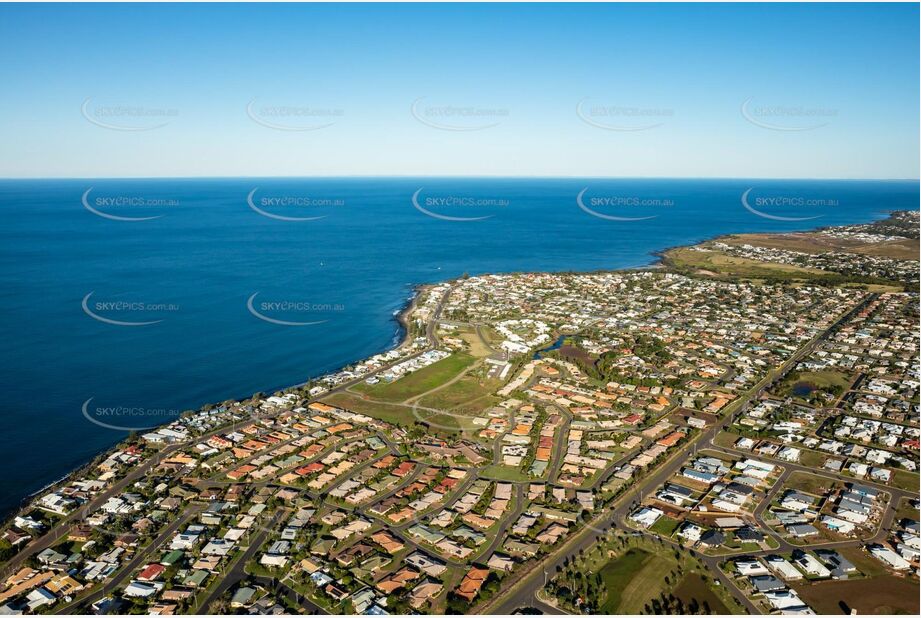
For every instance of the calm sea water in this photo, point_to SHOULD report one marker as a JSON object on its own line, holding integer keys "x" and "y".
{"x": 69, "y": 270}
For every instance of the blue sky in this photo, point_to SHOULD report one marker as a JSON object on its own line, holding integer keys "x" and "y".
{"x": 831, "y": 90}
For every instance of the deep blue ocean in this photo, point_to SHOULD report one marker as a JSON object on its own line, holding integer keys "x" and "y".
{"x": 84, "y": 264}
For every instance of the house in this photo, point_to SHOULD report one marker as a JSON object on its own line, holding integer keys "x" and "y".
{"x": 425, "y": 563}
{"x": 500, "y": 562}
{"x": 889, "y": 558}
{"x": 783, "y": 568}
{"x": 766, "y": 583}
{"x": 646, "y": 516}
{"x": 839, "y": 565}
{"x": 471, "y": 584}
{"x": 802, "y": 530}
{"x": 690, "y": 532}
{"x": 809, "y": 565}
{"x": 151, "y": 572}
{"x": 712, "y": 538}
{"x": 750, "y": 567}
{"x": 142, "y": 589}
{"x": 747, "y": 534}
{"x": 423, "y": 593}
{"x": 242, "y": 597}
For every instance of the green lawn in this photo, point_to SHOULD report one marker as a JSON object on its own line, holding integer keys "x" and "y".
{"x": 499, "y": 472}
{"x": 617, "y": 575}
{"x": 664, "y": 526}
{"x": 637, "y": 570}
{"x": 903, "y": 479}
{"x": 420, "y": 381}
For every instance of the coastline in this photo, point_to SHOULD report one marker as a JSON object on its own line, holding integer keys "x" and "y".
{"x": 658, "y": 263}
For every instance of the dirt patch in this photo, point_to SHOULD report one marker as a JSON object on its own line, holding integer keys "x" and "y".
{"x": 886, "y": 594}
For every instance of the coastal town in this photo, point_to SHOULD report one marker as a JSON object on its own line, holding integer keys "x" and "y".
{"x": 733, "y": 431}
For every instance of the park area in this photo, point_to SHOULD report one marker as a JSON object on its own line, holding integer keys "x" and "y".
{"x": 631, "y": 575}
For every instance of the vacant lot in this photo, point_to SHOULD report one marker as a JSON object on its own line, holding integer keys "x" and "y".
{"x": 477, "y": 347}
{"x": 811, "y": 484}
{"x": 693, "y": 588}
{"x": 904, "y": 479}
{"x": 719, "y": 263}
{"x": 885, "y": 594}
{"x": 420, "y": 381}
{"x": 819, "y": 243}
{"x": 468, "y": 395}
{"x": 390, "y": 413}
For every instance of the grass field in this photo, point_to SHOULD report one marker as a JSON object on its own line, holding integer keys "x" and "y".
{"x": 477, "y": 347}
{"x": 865, "y": 563}
{"x": 819, "y": 243}
{"x": 470, "y": 394}
{"x": 620, "y": 574}
{"x": 905, "y": 510}
{"x": 903, "y": 479}
{"x": 694, "y": 588}
{"x": 396, "y": 414}
{"x": 815, "y": 485}
{"x": 420, "y": 381}
{"x": 499, "y": 472}
{"x": 726, "y": 439}
{"x": 813, "y": 459}
{"x": 886, "y": 594}
{"x": 720, "y": 263}
{"x": 636, "y": 571}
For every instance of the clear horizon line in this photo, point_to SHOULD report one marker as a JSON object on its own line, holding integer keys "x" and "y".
{"x": 465, "y": 176}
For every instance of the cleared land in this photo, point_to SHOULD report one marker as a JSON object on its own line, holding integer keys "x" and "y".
{"x": 903, "y": 479}
{"x": 815, "y": 485}
{"x": 470, "y": 394}
{"x": 886, "y": 594}
{"x": 420, "y": 381}
{"x": 717, "y": 263}
{"x": 906, "y": 249}
{"x": 477, "y": 347}
{"x": 390, "y": 413}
